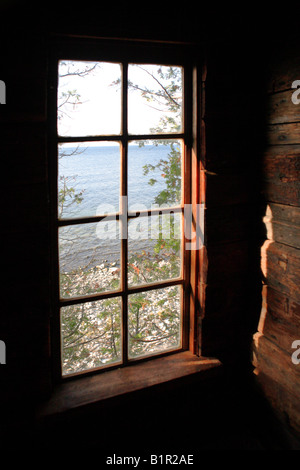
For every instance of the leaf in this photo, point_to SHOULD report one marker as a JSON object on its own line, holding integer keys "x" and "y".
{"x": 135, "y": 268}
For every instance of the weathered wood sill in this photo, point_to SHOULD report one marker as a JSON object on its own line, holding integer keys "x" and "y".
{"x": 86, "y": 392}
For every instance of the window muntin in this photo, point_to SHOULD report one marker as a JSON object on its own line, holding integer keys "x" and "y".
{"x": 132, "y": 276}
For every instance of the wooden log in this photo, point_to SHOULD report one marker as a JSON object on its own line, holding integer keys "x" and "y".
{"x": 285, "y": 213}
{"x": 283, "y": 69}
{"x": 28, "y": 106}
{"x": 281, "y": 306}
{"x": 232, "y": 188}
{"x": 285, "y": 233}
{"x": 281, "y": 268}
{"x": 282, "y": 224}
{"x": 284, "y": 404}
{"x": 279, "y": 319}
{"x": 225, "y": 296}
{"x": 276, "y": 363}
{"x": 283, "y": 192}
{"x": 225, "y": 137}
{"x": 281, "y": 175}
{"x": 281, "y": 109}
{"x": 226, "y": 224}
{"x": 27, "y": 143}
{"x": 279, "y": 134}
{"x": 230, "y": 260}
{"x": 285, "y": 221}
{"x": 281, "y": 162}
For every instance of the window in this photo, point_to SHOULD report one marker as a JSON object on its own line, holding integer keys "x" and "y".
{"x": 121, "y": 184}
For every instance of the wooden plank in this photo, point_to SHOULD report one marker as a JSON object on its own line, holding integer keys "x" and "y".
{"x": 225, "y": 137}
{"x": 281, "y": 174}
{"x": 283, "y": 224}
{"x": 227, "y": 224}
{"x": 282, "y": 401}
{"x": 285, "y": 213}
{"x": 228, "y": 189}
{"x": 27, "y": 100}
{"x": 279, "y": 134}
{"x": 283, "y": 69}
{"x": 281, "y": 267}
{"x": 279, "y": 319}
{"x": 27, "y": 142}
{"x": 280, "y": 333}
{"x": 276, "y": 363}
{"x": 284, "y": 233}
{"x": 281, "y": 109}
{"x": 194, "y": 256}
{"x": 87, "y": 391}
{"x": 282, "y": 306}
{"x": 282, "y": 192}
{"x": 229, "y": 260}
{"x": 225, "y": 296}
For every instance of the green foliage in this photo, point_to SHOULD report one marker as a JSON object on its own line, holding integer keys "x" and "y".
{"x": 91, "y": 332}
{"x": 67, "y": 195}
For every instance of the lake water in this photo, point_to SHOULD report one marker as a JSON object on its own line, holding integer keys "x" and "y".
{"x": 95, "y": 171}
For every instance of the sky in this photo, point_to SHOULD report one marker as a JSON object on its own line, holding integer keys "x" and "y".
{"x": 100, "y": 110}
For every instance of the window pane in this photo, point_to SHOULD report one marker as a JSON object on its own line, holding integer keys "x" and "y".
{"x": 89, "y": 98}
{"x": 91, "y": 335}
{"x": 155, "y": 174}
{"x": 88, "y": 179}
{"x": 155, "y": 99}
{"x": 154, "y": 321}
{"x": 89, "y": 258}
{"x": 154, "y": 248}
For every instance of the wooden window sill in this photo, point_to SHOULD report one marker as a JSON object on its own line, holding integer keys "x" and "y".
{"x": 98, "y": 389}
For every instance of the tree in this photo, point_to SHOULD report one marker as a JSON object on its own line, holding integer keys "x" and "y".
{"x": 92, "y": 331}
{"x": 67, "y": 195}
{"x": 166, "y": 96}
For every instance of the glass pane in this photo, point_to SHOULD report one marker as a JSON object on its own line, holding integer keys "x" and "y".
{"x": 154, "y": 321}
{"x": 155, "y": 174}
{"x": 154, "y": 248}
{"x": 90, "y": 335}
{"x": 89, "y": 258}
{"x": 155, "y": 99}
{"x": 89, "y": 98}
{"x": 88, "y": 179}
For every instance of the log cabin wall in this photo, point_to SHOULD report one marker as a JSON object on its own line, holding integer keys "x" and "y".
{"x": 229, "y": 282}
{"x": 279, "y": 324}
{"x": 233, "y": 123}
{"x": 26, "y": 258}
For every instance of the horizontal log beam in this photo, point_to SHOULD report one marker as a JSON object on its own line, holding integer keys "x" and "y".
{"x": 279, "y": 134}
{"x": 281, "y": 268}
{"x": 281, "y": 109}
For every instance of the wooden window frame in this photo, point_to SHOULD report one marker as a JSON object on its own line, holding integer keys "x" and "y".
{"x": 126, "y": 52}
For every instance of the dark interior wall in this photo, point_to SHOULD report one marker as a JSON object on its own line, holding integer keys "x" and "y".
{"x": 26, "y": 247}
{"x": 279, "y": 324}
{"x": 25, "y": 39}
{"x": 26, "y": 210}
{"x": 234, "y": 123}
